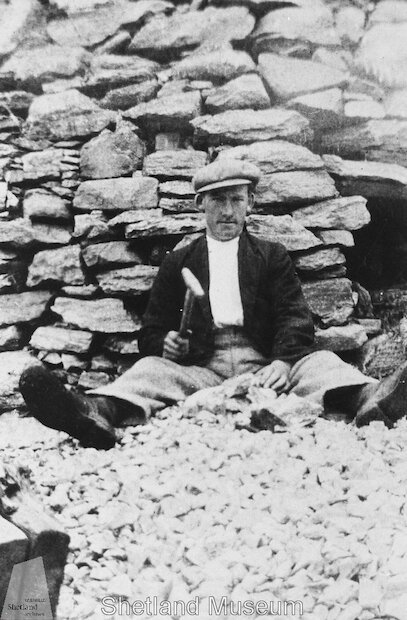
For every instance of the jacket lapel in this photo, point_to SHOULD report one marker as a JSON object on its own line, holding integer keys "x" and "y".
{"x": 249, "y": 262}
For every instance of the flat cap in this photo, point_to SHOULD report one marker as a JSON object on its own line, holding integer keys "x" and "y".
{"x": 224, "y": 173}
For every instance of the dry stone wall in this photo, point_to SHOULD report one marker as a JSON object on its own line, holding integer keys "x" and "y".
{"x": 108, "y": 107}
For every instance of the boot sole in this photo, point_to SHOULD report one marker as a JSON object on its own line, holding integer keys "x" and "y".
{"x": 53, "y": 405}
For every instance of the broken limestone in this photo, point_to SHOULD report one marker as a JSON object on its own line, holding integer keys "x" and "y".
{"x": 62, "y": 265}
{"x": 23, "y": 307}
{"x": 349, "y": 213}
{"x": 117, "y": 194}
{"x": 112, "y": 154}
{"x": 330, "y": 300}
{"x": 128, "y": 281}
{"x": 246, "y": 126}
{"x": 282, "y": 229}
{"x": 65, "y": 115}
{"x": 61, "y": 339}
{"x": 99, "y": 315}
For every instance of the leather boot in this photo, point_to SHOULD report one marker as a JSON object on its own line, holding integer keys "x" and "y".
{"x": 385, "y": 401}
{"x": 87, "y": 418}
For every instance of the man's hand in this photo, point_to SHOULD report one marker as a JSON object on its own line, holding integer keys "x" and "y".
{"x": 175, "y": 347}
{"x": 274, "y": 376}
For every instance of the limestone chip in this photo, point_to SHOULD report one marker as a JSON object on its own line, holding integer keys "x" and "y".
{"x": 290, "y": 77}
{"x": 111, "y": 154}
{"x": 100, "y": 315}
{"x": 23, "y": 307}
{"x": 62, "y": 265}
{"x": 128, "y": 281}
{"x": 117, "y": 194}
{"x": 217, "y": 65}
{"x": 61, "y": 339}
{"x": 245, "y": 126}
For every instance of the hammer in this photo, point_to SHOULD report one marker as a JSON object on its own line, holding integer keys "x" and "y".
{"x": 194, "y": 290}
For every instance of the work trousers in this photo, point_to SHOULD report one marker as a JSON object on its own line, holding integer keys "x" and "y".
{"x": 153, "y": 383}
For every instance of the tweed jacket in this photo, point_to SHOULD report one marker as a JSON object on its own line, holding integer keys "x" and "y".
{"x": 276, "y": 316}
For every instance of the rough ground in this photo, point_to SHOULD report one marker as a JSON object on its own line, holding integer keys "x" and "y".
{"x": 190, "y": 506}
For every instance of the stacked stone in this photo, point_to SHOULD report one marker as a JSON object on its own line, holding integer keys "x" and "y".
{"x": 108, "y": 108}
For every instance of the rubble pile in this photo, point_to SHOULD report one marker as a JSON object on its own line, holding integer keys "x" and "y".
{"x": 107, "y": 108}
{"x": 188, "y": 506}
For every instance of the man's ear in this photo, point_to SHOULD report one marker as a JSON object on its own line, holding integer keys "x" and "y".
{"x": 250, "y": 203}
{"x": 198, "y": 201}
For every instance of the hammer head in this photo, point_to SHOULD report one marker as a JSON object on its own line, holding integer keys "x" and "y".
{"x": 192, "y": 283}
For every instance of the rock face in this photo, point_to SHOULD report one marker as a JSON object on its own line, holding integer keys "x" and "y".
{"x": 117, "y": 194}
{"x": 102, "y": 315}
{"x": 111, "y": 154}
{"x": 243, "y": 127}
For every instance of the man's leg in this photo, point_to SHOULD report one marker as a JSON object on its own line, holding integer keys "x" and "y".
{"x": 151, "y": 384}
{"x": 326, "y": 379}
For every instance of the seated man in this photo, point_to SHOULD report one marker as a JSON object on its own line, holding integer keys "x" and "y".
{"x": 253, "y": 317}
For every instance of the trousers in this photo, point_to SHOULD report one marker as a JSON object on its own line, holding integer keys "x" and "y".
{"x": 153, "y": 383}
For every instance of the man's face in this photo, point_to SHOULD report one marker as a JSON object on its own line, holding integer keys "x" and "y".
{"x": 225, "y": 210}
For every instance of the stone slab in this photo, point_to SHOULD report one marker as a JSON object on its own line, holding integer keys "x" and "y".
{"x": 112, "y": 154}
{"x": 120, "y": 194}
{"x": 128, "y": 281}
{"x": 282, "y": 229}
{"x": 349, "y": 213}
{"x": 60, "y": 339}
{"x": 246, "y": 91}
{"x": 216, "y": 65}
{"x": 174, "y": 164}
{"x": 341, "y": 338}
{"x": 110, "y": 253}
{"x": 330, "y": 301}
{"x": 295, "y": 188}
{"x": 177, "y": 224}
{"x": 167, "y": 113}
{"x": 23, "y": 307}
{"x": 100, "y": 315}
{"x": 62, "y": 265}
{"x": 319, "y": 259}
{"x": 39, "y": 204}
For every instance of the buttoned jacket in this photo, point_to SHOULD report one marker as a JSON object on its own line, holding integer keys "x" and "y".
{"x": 276, "y": 316}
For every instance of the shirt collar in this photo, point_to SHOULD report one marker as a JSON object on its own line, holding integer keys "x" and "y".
{"x": 214, "y": 244}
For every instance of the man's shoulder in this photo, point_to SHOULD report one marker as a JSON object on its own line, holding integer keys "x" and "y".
{"x": 179, "y": 254}
{"x": 267, "y": 248}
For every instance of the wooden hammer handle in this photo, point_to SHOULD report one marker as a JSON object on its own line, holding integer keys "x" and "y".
{"x": 186, "y": 313}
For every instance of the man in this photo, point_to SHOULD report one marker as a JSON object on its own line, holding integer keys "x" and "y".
{"x": 253, "y": 317}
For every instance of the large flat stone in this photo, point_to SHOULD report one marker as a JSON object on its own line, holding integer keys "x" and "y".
{"x": 330, "y": 300}
{"x": 110, "y": 253}
{"x": 349, "y": 213}
{"x": 62, "y": 265}
{"x": 282, "y": 229}
{"x": 32, "y": 67}
{"x": 89, "y": 27}
{"x": 91, "y": 226}
{"x": 216, "y": 65}
{"x": 375, "y": 140}
{"x": 42, "y": 204}
{"x": 246, "y": 91}
{"x": 117, "y": 194}
{"x": 275, "y": 156}
{"x": 112, "y": 154}
{"x": 367, "y": 178}
{"x": 129, "y": 96}
{"x": 309, "y": 25}
{"x": 128, "y": 281}
{"x": 59, "y": 339}
{"x": 46, "y": 165}
{"x": 324, "y": 109}
{"x": 165, "y": 36}
{"x": 167, "y": 113}
{"x": 319, "y": 259}
{"x": 23, "y": 307}
{"x": 177, "y": 224}
{"x": 295, "y": 188}
{"x": 290, "y": 77}
{"x": 65, "y": 115}
{"x": 21, "y": 233}
{"x": 174, "y": 164}
{"x": 341, "y": 337}
{"x": 108, "y": 71}
{"x": 100, "y": 315}
{"x": 343, "y": 238}
{"x": 246, "y": 126}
